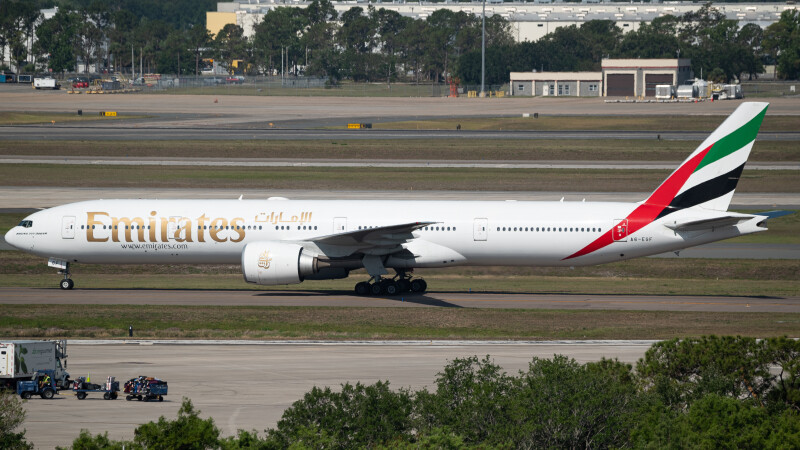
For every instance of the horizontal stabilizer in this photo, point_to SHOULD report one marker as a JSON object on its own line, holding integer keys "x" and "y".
{"x": 708, "y": 224}
{"x": 774, "y": 214}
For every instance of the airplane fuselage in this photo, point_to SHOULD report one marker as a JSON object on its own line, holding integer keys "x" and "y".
{"x": 469, "y": 232}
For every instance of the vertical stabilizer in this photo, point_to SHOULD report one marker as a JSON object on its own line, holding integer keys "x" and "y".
{"x": 709, "y": 175}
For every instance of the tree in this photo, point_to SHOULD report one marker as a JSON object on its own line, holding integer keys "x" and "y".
{"x": 12, "y": 416}
{"x": 781, "y": 41}
{"x": 56, "y": 40}
{"x": 278, "y": 35}
{"x": 358, "y": 416}
{"x": 198, "y": 42}
{"x": 188, "y": 431}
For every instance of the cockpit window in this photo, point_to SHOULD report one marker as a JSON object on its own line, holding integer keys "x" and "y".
{"x": 26, "y": 224}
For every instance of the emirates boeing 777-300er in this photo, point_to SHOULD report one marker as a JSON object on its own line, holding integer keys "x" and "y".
{"x": 280, "y": 241}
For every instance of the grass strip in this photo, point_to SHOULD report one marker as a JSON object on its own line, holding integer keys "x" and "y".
{"x": 24, "y": 264}
{"x": 563, "y": 123}
{"x": 437, "y": 283}
{"x": 333, "y": 323}
{"x": 25, "y": 118}
{"x": 370, "y": 178}
{"x": 411, "y": 149}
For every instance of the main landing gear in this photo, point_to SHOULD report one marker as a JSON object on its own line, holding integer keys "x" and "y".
{"x": 391, "y": 286}
{"x": 67, "y": 282}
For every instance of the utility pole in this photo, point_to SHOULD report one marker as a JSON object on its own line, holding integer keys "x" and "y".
{"x": 483, "y": 49}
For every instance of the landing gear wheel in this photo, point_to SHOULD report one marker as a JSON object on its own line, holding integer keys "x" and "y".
{"x": 81, "y": 395}
{"x": 404, "y": 285}
{"x": 418, "y": 286}
{"x": 391, "y": 288}
{"x": 362, "y": 288}
{"x": 376, "y": 289}
{"x": 67, "y": 284}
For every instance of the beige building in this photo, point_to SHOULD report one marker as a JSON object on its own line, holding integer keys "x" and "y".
{"x": 575, "y": 84}
{"x": 639, "y": 77}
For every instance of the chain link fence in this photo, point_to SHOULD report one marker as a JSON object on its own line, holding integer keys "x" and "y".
{"x": 301, "y": 86}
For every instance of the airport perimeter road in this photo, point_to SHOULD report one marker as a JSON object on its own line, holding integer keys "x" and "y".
{"x": 248, "y": 386}
{"x": 464, "y": 299}
{"x": 211, "y": 110}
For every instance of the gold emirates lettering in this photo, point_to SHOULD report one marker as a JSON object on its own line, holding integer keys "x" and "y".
{"x": 100, "y": 226}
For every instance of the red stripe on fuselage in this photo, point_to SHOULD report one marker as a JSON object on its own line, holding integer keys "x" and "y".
{"x": 645, "y": 213}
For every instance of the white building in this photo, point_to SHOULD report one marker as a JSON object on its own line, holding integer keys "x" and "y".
{"x": 529, "y": 21}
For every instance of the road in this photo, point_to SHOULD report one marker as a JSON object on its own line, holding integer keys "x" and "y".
{"x": 461, "y": 299}
{"x": 248, "y": 386}
{"x": 391, "y": 163}
{"x": 263, "y": 132}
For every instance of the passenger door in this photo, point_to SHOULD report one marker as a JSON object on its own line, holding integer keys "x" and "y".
{"x": 480, "y": 229}
{"x": 68, "y": 227}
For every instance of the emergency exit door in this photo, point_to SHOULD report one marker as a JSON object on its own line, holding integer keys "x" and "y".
{"x": 339, "y": 224}
{"x": 68, "y": 227}
{"x": 620, "y": 231}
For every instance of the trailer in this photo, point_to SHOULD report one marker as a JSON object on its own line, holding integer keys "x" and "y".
{"x": 45, "y": 83}
{"x": 20, "y": 360}
{"x": 145, "y": 389}
{"x": 82, "y": 388}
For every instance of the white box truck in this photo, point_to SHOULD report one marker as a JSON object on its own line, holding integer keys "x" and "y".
{"x": 19, "y": 361}
{"x": 665, "y": 92}
{"x": 45, "y": 83}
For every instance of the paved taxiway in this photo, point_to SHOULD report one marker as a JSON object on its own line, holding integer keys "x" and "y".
{"x": 145, "y": 133}
{"x": 416, "y": 164}
{"x": 249, "y": 386}
{"x": 463, "y": 299}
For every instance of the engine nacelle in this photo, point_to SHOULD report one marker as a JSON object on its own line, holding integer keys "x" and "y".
{"x": 270, "y": 263}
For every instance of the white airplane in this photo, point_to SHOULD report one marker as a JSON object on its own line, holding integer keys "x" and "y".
{"x": 278, "y": 241}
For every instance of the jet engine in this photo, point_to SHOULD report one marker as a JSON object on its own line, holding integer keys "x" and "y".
{"x": 271, "y": 263}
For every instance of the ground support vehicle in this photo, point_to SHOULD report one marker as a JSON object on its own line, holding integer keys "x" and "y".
{"x": 82, "y": 388}
{"x": 145, "y": 389}
{"x": 43, "y": 384}
{"x": 20, "y": 360}
{"x": 45, "y": 83}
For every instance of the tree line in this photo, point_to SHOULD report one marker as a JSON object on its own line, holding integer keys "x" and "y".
{"x": 377, "y": 45}
{"x": 708, "y": 392}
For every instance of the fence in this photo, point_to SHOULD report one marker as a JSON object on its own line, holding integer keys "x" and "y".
{"x": 298, "y": 86}
{"x": 770, "y": 88}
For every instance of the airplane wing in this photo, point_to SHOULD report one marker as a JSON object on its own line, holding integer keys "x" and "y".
{"x": 374, "y": 241}
{"x": 707, "y": 224}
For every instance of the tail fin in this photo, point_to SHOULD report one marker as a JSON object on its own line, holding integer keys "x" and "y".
{"x": 709, "y": 175}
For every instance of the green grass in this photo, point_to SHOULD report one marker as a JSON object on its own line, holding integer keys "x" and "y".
{"x": 419, "y": 149}
{"x": 562, "y": 123}
{"x": 398, "y": 179}
{"x": 327, "y": 323}
{"x": 24, "y": 118}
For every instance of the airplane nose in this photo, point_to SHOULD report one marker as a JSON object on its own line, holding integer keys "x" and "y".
{"x": 12, "y": 239}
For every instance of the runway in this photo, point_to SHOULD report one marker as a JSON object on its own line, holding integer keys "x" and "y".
{"x": 360, "y": 163}
{"x": 181, "y": 133}
{"x": 248, "y": 386}
{"x": 463, "y": 299}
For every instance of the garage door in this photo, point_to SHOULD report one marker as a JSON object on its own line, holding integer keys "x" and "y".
{"x": 620, "y": 85}
{"x": 651, "y": 80}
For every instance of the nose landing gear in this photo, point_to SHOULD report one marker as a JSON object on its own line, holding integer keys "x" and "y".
{"x": 67, "y": 282}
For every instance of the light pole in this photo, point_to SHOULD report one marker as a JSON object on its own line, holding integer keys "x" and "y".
{"x": 483, "y": 48}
